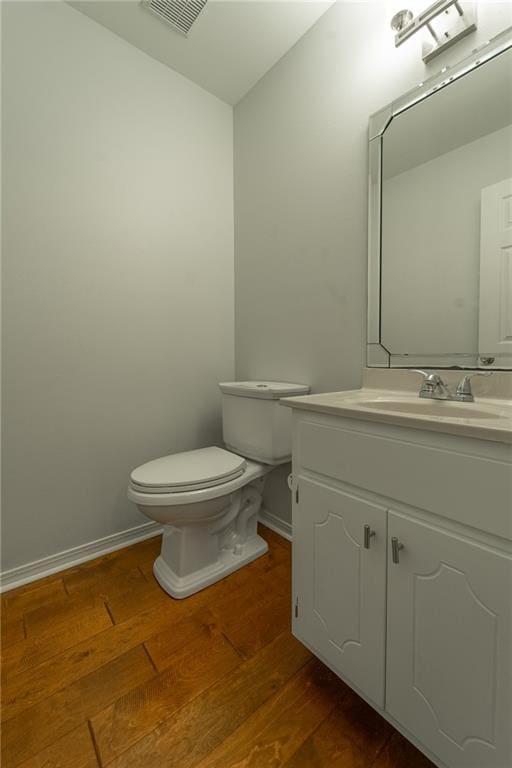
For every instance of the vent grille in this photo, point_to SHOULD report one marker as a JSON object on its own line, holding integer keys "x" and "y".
{"x": 180, "y": 14}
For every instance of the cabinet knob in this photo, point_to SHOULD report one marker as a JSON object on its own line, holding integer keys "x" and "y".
{"x": 396, "y": 546}
{"x": 368, "y": 533}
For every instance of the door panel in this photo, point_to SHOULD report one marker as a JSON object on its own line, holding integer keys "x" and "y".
{"x": 333, "y": 543}
{"x": 495, "y": 305}
{"x": 449, "y": 675}
{"x": 340, "y": 584}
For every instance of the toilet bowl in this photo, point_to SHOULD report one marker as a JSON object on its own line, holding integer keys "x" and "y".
{"x": 208, "y": 499}
{"x": 210, "y": 530}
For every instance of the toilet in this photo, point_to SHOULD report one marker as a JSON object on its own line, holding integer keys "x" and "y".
{"x": 208, "y": 499}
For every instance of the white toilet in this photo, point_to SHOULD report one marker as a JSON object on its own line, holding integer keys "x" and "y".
{"x": 208, "y": 499}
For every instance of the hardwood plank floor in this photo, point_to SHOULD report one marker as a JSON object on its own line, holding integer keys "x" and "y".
{"x": 195, "y": 668}
{"x": 101, "y": 668}
{"x": 74, "y": 750}
{"x": 39, "y": 726}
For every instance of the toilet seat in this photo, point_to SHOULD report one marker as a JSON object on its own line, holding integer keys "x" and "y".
{"x": 188, "y": 471}
{"x": 159, "y": 497}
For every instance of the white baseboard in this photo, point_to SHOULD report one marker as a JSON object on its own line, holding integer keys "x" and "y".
{"x": 275, "y": 524}
{"x": 38, "y": 569}
{"x": 23, "y": 574}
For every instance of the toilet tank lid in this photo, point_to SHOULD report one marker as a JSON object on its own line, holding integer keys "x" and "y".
{"x": 268, "y": 390}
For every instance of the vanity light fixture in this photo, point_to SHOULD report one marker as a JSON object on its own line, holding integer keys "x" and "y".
{"x": 446, "y": 21}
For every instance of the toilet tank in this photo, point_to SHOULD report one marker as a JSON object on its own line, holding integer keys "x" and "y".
{"x": 254, "y": 425}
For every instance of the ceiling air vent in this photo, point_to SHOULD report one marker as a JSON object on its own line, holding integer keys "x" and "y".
{"x": 180, "y": 14}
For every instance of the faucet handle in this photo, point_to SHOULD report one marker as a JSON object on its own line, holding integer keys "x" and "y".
{"x": 463, "y": 391}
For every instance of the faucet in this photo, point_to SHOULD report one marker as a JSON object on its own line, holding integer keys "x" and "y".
{"x": 434, "y": 388}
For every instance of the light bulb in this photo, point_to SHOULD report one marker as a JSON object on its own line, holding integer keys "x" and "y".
{"x": 400, "y": 20}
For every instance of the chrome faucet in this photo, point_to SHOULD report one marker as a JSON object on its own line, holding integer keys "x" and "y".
{"x": 434, "y": 388}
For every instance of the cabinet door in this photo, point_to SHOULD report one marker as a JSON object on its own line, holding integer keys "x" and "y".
{"x": 339, "y": 585}
{"x": 449, "y": 675}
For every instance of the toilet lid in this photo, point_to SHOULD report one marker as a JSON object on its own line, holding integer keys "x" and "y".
{"x": 190, "y": 470}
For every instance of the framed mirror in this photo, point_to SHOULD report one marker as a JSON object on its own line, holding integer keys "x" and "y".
{"x": 440, "y": 219}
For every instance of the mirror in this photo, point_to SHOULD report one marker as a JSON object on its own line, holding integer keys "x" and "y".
{"x": 440, "y": 282}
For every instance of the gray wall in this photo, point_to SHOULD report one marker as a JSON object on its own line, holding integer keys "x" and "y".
{"x": 301, "y": 196}
{"x": 118, "y": 274}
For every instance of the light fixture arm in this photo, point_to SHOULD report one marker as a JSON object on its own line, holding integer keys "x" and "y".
{"x": 463, "y": 23}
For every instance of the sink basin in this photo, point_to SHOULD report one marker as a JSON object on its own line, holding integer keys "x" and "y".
{"x": 448, "y": 409}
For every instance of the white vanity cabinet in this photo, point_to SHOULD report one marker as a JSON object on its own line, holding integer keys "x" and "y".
{"x": 402, "y": 577}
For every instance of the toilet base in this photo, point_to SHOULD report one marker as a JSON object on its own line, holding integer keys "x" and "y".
{"x": 184, "y": 586}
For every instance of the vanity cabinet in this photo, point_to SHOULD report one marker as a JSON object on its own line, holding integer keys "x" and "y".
{"x": 402, "y": 579}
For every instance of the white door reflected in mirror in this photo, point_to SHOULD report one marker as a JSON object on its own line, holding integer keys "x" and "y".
{"x": 495, "y": 303}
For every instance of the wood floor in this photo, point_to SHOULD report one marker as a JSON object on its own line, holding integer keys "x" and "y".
{"x": 101, "y": 667}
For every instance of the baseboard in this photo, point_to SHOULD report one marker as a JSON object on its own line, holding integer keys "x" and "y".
{"x": 23, "y": 574}
{"x": 38, "y": 569}
{"x": 275, "y": 524}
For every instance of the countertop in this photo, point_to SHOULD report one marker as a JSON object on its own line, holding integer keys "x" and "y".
{"x": 354, "y": 404}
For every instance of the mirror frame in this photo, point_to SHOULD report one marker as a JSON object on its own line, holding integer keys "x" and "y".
{"x": 377, "y": 355}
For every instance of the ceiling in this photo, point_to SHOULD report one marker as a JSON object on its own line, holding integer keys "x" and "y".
{"x": 231, "y": 45}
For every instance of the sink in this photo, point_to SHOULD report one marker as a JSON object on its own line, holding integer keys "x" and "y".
{"x": 448, "y": 409}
